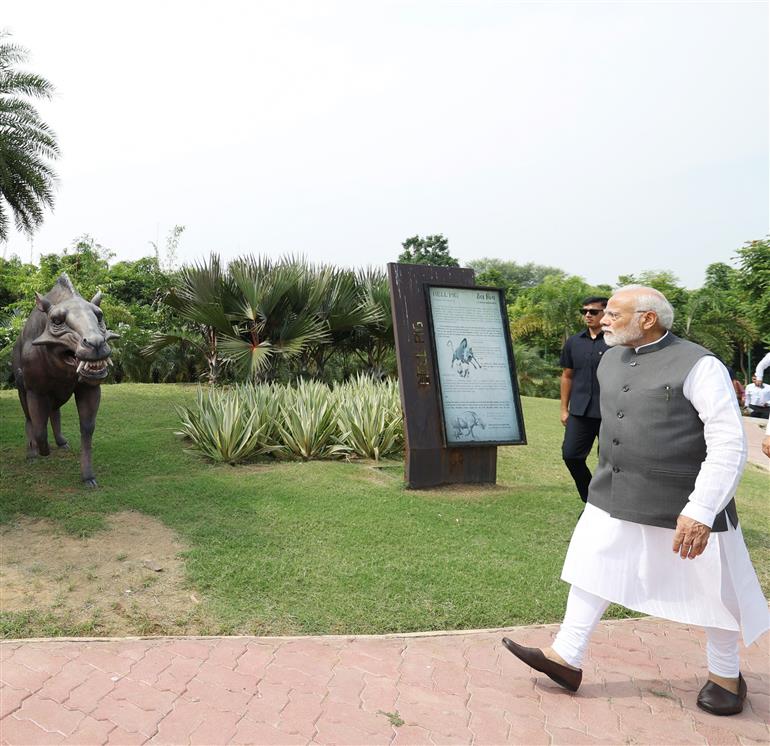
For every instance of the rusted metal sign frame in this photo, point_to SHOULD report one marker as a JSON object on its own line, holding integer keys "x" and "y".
{"x": 428, "y": 461}
{"x": 514, "y": 381}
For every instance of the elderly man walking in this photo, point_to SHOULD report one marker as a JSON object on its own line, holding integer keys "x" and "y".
{"x": 660, "y": 532}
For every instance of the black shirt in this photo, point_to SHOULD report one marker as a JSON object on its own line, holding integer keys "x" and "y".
{"x": 583, "y": 354}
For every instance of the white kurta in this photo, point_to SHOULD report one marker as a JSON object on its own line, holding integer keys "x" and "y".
{"x": 634, "y": 565}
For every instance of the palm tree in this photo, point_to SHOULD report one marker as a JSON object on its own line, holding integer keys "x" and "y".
{"x": 334, "y": 296}
{"x": 199, "y": 299}
{"x": 718, "y": 321}
{"x": 27, "y": 143}
{"x": 373, "y": 341}
{"x": 246, "y": 315}
{"x": 272, "y": 308}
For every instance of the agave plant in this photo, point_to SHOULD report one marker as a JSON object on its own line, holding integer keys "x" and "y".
{"x": 221, "y": 426}
{"x": 264, "y": 400}
{"x": 307, "y": 427}
{"x": 369, "y": 417}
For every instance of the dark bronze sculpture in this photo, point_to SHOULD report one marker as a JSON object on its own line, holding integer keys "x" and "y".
{"x": 62, "y": 350}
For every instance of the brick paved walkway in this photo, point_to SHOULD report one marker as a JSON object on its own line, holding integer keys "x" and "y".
{"x": 639, "y": 687}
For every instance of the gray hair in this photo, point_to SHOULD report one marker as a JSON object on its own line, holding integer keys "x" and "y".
{"x": 652, "y": 300}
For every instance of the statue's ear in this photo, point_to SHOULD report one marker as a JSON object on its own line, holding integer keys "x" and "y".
{"x": 97, "y": 299}
{"x": 43, "y": 304}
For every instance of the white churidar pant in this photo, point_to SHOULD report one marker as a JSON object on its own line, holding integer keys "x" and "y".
{"x": 584, "y": 610}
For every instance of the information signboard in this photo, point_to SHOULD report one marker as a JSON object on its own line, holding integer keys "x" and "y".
{"x": 475, "y": 368}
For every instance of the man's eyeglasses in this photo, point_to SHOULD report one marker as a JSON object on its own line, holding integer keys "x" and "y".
{"x": 592, "y": 311}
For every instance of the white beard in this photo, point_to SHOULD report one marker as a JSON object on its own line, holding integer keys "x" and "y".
{"x": 624, "y": 338}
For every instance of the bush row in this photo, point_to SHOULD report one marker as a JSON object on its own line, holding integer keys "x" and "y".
{"x": 308, "y": 421}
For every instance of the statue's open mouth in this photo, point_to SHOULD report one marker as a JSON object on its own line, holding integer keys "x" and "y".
{"x": 94, "y": 368}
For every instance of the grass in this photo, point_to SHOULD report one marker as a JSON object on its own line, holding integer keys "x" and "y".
{"x": 323, "y": 547}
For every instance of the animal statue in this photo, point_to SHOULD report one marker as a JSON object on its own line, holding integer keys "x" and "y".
{"x": 465, "y": 422}
{"x": 63, "y": 349}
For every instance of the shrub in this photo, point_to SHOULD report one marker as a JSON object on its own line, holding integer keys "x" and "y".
{"x": 222, "y": 427}
{"x": 307, "y": 426}
{"x": 309, "y": 421}
{"x": 369, "y": 417}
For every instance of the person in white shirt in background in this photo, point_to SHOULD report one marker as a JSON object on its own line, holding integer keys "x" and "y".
{"x": 756, "y": 398}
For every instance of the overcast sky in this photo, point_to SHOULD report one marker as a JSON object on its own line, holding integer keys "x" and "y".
{"x": 602, "y": 138}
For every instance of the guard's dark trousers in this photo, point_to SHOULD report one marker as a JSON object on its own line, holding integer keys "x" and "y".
{"x": 579, "y": 437}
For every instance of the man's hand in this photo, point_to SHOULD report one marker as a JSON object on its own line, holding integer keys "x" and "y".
{"x": 564, "y": 417}
{"x": 690, "y": 537}
{"x": 766, "y": 446}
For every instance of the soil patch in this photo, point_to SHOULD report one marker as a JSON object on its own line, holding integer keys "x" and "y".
{"x": 126, "y": 580}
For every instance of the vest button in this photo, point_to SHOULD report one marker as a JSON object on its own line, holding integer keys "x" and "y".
{"x": 616, "y": 469}
{"x": 620, "y": 415}
{"x": 615, "y": 442}
{"x": 625, "y": 388}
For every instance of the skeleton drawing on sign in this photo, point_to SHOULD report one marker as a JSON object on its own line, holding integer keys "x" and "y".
{"x": 463, "y": 356}
{"x": 464, "y": 423}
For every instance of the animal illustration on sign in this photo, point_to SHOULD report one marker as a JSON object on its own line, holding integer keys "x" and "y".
{"x": 463, "y": 356}
{"x": 464, "y": 423}
{"x": 62, "y": 350}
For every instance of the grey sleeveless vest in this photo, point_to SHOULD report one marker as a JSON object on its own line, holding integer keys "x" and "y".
{"x": 651, "y": 442}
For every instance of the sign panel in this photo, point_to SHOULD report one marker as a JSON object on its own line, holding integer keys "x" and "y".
{"x": 475, "y": 369}
{"x": 429, "y": 462}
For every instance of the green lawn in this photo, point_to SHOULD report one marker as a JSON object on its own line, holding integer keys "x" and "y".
{"x": 323, "y": 547}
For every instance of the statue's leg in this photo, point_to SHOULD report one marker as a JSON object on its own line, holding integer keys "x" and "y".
{"x": 87, "y": 399}
{"x": 39, "y": 410}
{"x": 31, "y": 444}
{"x": 61, "y": 441}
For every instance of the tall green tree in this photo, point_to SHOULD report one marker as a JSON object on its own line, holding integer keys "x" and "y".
{"x": 511, "y": 276}
{"x": 754, "y": 281}
{"x": 544, "y": 316}
{"x": 433, "y": 250}
{"x": 662, "y": 280}
{"x": 27, "y": 144}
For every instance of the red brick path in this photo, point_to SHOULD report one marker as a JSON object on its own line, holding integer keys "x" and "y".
{"x": 639, "y": 687}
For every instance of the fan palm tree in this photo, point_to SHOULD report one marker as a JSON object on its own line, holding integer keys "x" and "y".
{"x": 199, "y": 299}
{"x": 372, "y": 341}
{"x": 245, "y": 316}
{"x": 27, "y": 144}
{"x": 716, "y": 320}
{"x": 335, "y": 297}
{"x": 272, "y": 310}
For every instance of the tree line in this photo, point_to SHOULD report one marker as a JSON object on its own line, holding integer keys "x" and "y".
{"x": 285, "y": 319}
{"x": 269, "y": 320}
